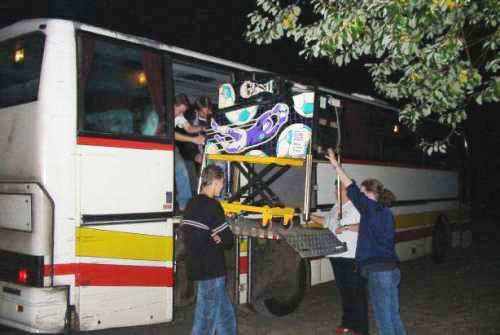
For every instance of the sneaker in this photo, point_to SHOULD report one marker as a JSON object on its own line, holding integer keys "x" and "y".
{"x": 345, "y": 331}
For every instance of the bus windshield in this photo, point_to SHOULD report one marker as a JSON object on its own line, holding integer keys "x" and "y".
{"x": 20, "y": 67}
{"x": 122, "y": 89}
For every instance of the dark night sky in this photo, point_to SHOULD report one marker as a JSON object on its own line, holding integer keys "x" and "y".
{"x": 216, "y": 28}
{"x": 212, "y": 27}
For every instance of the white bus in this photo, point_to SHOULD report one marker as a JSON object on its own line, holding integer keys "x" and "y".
{"x": 87, "y": 177}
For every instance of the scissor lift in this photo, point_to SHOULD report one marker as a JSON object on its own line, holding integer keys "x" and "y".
{"x": 256, "y": 211}
{"x": 244, "y": 199}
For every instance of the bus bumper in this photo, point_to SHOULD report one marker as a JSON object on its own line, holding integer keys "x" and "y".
{"x": 33, "y": 309}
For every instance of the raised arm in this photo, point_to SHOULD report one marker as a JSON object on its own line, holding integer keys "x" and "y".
{"x": 344, "y": 178}
{"x": 359, "y": 200}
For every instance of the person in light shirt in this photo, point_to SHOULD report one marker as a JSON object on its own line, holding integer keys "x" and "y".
{"x": 182, "y": 182}
{"x": 350, "y": 283}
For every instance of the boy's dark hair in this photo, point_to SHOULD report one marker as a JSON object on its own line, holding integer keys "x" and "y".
{"x": 210, "y": 174}
{"x": 181, "y": 99}
{"x": 203, "y": 102}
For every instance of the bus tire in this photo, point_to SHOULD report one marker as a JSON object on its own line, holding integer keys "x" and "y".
{"x": 440, "y": 239}
{"x": 284, "y": 296}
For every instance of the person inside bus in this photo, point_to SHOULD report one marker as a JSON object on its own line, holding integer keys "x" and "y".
{"x": 199, "y": 116}
{"x": 375, "y": 253}
{"x": 146, "y": 119}
{"x": 350, "y": 283}
{"x": 206, "y": 236}
{"x": 203, "y": 110}
{"x": 182, "y": 182}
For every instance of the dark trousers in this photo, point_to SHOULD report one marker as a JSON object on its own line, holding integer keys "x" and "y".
{"x": 352, "y": 288}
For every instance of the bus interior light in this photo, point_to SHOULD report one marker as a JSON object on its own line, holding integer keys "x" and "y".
{"x": 141, "y": 78}
{"x": 19, "y": 56}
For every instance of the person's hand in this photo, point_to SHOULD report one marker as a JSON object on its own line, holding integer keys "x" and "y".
{"x": 332, "y": 157}
{"x": 339, "y": 230}
{"x": 217, "y": 239}
{"x": 198, "y": 158}
{"x": 316, "y": 217}
{"x": 314, "y": 224}
{"x": 198, "y": 140}
{"x": 352, "y": 227}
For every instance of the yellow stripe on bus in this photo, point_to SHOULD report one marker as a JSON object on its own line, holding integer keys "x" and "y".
{"x": 112, "y": 244}
{"x": 243, "y": 245}
{"x": 406, "y": 221}
{"x": 413, "y": 220}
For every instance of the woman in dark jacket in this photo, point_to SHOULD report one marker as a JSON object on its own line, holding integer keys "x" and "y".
{"x": 375, "y": 254}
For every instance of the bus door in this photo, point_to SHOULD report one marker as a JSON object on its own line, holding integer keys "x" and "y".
{"x": 124, "y": 240}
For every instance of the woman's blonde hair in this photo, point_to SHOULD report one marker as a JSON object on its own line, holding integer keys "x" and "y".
{"x": 383, "y": 195}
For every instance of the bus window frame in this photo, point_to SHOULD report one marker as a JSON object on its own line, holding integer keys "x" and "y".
{"x": 168, "y": 89}
{"x": 205, "y": 65}
{"x": 44, "y": 40}
{"x": 432, "y": 163}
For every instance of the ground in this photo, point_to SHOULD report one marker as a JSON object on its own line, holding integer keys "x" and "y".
{"x": 460, "y": 296}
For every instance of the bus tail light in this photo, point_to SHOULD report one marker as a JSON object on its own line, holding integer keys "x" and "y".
{"x": 21, "y": 268}
{"x": 22, "y": 276}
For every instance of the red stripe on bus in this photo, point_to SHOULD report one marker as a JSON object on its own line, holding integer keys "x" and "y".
{"x": 119, "y": 143}
{"x": 60, "y": 269}
{"x": 392, "y": 164}
{"x": 413, "y": 234}
{"x": 243, "y": 265}
{"x": 87, "y": 274}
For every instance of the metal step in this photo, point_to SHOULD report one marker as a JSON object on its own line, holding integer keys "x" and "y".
{"x": 308, "y": 242}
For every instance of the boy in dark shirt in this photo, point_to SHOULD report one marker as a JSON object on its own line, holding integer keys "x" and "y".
{"x": 206, "y": 235}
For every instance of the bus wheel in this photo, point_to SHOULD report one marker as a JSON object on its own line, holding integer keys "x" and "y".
{"x": 285, "y": 295}
{"x": 440, "y": 239}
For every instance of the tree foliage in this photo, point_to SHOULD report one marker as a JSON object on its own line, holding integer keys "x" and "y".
{"x": 436, "y": 57}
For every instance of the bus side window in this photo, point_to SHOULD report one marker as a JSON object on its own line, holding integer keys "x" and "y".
{"x": 20, "y": 68}
{"x": 355, "y": 130}
{"x": 122, "y": 89}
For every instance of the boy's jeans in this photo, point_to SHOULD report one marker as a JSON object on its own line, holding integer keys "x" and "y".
{"x": 214, "y": 312}
{"x": 384, "y": 296}
{"x": 182, "y": 184}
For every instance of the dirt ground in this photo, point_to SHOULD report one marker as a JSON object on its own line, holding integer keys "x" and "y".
{"x": 461, "y": 296}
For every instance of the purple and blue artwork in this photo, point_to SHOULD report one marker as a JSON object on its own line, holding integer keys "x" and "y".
{"x": 272, "y": 125}
{"x": 236, "y": 139}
